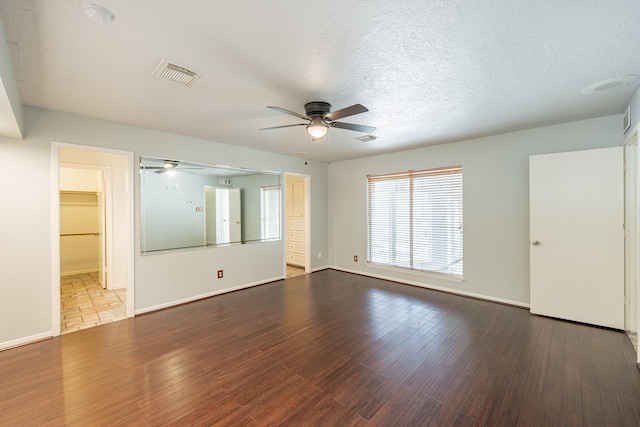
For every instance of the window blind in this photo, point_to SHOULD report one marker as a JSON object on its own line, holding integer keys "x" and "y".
{"x": 270, "y": 212}
{"x": 414, "y": 220}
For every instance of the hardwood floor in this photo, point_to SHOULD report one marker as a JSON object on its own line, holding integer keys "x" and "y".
{"x": 326, "y": 349}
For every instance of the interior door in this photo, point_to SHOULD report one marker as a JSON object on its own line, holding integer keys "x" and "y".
{"x": 235, "y": 215}
{"x": 577, "y": 236}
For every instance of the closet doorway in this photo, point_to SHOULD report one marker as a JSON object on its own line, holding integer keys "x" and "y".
{"x": 92, "y": 194}
{"x": 297, "y": 220}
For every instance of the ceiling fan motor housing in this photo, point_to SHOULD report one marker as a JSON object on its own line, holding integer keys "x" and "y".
{"x": 317, "y": 109}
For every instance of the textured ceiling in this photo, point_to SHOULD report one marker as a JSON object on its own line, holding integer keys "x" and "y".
{"x": 429, "y": 71}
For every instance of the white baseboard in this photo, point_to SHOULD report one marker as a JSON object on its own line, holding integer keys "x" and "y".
{"x": 203, "y": 296}
{"x": 73, "y": 273}
{"x": 26, "y": 340}
{"x": 436, "y": 288}
{"x": 313, "y": 270}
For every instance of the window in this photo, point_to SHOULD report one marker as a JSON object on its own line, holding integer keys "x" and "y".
{"x": 270, "y": 212}
{"x": 414, "y": 220}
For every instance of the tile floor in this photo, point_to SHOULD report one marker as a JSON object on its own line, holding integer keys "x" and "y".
{"x": 84, "y": 304}
{"x": 293, "y": 271}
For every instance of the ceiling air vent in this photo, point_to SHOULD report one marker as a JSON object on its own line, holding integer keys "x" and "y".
{"x": 366, "y": 138}
{"x": 175, "y": 73}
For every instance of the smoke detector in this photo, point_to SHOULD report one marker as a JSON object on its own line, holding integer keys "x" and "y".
{"x": 175, "y": 73}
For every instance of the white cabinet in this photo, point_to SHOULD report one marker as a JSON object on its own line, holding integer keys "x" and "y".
{"x": 296, "y": 242}
{"x": 295, "y": 199}
{"x": 296, "y": 239}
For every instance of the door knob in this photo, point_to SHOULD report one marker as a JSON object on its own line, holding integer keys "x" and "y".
{"x": 535, "y": 243}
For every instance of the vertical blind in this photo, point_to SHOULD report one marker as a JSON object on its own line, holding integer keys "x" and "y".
{"x": 414, "y": 220}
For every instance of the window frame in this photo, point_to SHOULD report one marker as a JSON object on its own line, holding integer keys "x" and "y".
{"x": 264, "y": 215}
{"x": 453, "y": 204}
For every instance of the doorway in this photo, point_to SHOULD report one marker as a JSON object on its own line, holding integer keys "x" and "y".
{"x": 297, "y": 220}
{"x": 92, "y": 239}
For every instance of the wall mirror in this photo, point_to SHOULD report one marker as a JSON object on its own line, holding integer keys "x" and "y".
{"x": 186, "y": 204}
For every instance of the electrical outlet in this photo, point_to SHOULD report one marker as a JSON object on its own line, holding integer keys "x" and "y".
{"x": 319, "y": 254}
{"x": 355, "y": 258}
{"x": 219, "y": 274}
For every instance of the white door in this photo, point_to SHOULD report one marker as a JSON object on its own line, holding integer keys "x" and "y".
{"x": 577, "y": 237}
{"x": 235, "y": 216}
{"x": 222, "y": 216}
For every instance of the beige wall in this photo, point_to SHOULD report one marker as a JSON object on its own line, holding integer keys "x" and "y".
{"x": 79, "y": 215}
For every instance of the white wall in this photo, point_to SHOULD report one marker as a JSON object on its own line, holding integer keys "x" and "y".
{"x": 160, "y": 280}
{"x": 496, "y": 203}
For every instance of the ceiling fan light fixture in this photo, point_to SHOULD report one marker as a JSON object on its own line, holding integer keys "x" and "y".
{"x": 317, "y": 128}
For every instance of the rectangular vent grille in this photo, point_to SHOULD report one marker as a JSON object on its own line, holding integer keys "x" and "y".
{"x": 175, "y": 73}
{"x": 366, "y": 138}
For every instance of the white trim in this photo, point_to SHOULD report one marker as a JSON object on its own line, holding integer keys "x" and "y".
{"x": 307, "y": 222}
{"x": 25, "y": 340}
{"x": 436, "y": 288}
{"x": 206, "y": 295}
{"x": 324, "y": 267}
{"x": 55, "y": 240}
{"x": 73, "y": 273}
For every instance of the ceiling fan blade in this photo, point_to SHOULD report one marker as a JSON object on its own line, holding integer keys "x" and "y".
{"x": 293, "y": 113}
{"x": 285, "y": 126}
{"x": 351, "y": 126}
{"x": 346, "y": 112}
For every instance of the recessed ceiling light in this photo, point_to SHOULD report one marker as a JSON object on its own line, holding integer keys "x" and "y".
{"x": 98, "y": 13}
{"x": 609, "y": 84}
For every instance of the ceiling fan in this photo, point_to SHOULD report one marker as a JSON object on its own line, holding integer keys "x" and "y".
{"x": 169, "y": 166}
{"x": 321, "y": 118}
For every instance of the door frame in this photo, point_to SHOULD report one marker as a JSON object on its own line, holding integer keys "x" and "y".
{"x": 55, "y": 226}
{"x": 631, "y": 211}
